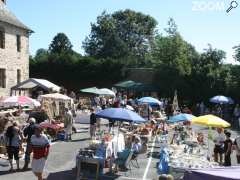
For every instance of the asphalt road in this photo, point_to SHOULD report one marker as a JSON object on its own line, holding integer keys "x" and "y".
{"x": 61, "y": 161}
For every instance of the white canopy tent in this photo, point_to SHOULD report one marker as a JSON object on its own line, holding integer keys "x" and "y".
{"x": 33, "y": 83}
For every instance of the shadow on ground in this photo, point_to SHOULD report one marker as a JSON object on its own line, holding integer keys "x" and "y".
{"x": 155, "y": 155}
{"x": 83, "y": 139}
{"x": 70, "y": 175}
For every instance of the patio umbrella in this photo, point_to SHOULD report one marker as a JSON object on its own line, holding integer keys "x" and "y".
{"x": 210, "y": 121}
{"x": 181, "y": 117}
{"x": 125, "y": 84}
{"x": 120, "y": 114}
{"x": 107, "y": 92}
{"x": 56, "y": 96}
{"x": 221, "y": 100}
{"x": 149, "y": 100}
{"x": 20, "y": 101}
{"x": 92, "y": 90}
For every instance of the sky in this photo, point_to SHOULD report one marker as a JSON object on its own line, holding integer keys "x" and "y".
{"x": 200, "y": 22}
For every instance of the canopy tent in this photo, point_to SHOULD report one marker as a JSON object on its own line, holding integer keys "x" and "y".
{"x": 54, "y": 104}
{"x": 91, "y": 90}
{"x": 56, "y": 96}
{"x": 135, "y": 86}
{"x": 33, "y": 83}
{"x": 96, "y": 91}
{"x": 107, "y": 92}
{"x": 125, "y": 84}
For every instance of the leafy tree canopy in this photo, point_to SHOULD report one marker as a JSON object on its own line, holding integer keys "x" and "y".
{"x": 60, "y": 44}
{"x": 121, "y": 34}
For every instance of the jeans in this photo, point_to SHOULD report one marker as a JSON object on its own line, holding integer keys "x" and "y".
{"x": 27, "y": 153}
{"x": 227, "y": 160}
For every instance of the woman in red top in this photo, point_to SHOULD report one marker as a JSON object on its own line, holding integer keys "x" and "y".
{"x": 40, "y": 148}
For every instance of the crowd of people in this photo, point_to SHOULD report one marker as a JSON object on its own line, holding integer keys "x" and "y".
{"x": 23, "y": 129}
{"x": 38, "y": 143}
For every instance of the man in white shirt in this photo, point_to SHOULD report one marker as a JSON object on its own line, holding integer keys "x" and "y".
{"x": 219, "y": 145}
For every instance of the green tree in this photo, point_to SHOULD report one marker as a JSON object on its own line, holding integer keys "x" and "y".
{"x": 41, "y": 55}
{"x": 60, "y": 44}
{"x": 120, "y": 35}
{"x": 172, "y": 57}
{"x": 208, "y": 75}
{"x": 172, "y": 27}
{"x": 237, "y": 53}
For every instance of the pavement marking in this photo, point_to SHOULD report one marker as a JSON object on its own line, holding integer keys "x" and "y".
{"x": 149, "y": 160}
{"x": 130, "y": 178}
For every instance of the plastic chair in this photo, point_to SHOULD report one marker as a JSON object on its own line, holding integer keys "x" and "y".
{"x": 135, "y": 158}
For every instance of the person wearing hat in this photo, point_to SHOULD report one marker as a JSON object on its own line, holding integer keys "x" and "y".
{"x": 28, "y": 132}
{"x": 227, "y": 149}
{"x": 40, "y": 147}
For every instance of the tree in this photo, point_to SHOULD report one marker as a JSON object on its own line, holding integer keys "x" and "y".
{"x": 237, "y": 53}
{"x": 208, "y": 76}
{"x": 60, "y": 44}
{"x": 41, "y": 55}
{"x": 171, "y": 30}
{"x": 121, "y": 34}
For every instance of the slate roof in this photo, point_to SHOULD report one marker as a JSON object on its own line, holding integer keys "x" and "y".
{"x": 8, "y": 17}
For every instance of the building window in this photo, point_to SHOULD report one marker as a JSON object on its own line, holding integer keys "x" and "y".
{"x": 18, "y": 43}
{"x": 18, "y": 76}
{"x": 2, "y": 78}
{"x": 2, "y": 38}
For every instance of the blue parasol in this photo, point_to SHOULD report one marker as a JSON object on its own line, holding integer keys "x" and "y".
{"x": 120, "y": 114}
{"x": 180, "y": 118}
{"x": 221, "y": 100}
{"x": 150, "y": 100}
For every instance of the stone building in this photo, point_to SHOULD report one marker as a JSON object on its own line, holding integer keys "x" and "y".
{"x": 14, "y": 50}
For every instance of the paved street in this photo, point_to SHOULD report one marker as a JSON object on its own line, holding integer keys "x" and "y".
{"x": 61, "y": 161}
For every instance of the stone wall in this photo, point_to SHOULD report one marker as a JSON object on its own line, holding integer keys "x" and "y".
{"x": 11, "y": 59}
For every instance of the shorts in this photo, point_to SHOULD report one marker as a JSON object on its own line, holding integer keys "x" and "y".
{"x": 218, "y": 149}
{"x": 13, "y": 152}
{"x": 38, "y": 165}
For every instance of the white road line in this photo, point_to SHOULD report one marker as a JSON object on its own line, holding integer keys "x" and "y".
{"x": 149, "y": 160}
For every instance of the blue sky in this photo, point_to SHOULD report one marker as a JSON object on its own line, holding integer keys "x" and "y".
{"x": 199, "y": 21}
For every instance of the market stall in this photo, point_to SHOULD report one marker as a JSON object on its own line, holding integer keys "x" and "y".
{"x": 104, "y": 150}
{"x": 188, "y": 149}
{"x": 54, "y": 105}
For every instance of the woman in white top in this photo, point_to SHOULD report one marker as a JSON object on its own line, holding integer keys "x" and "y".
{"x": 219, "y": 145}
